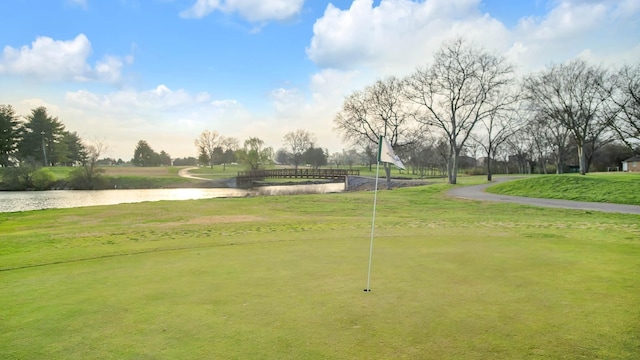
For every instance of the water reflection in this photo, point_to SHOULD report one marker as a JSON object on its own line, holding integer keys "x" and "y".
{"x": 37, "y": 200}
{"x": 298, "y": 189}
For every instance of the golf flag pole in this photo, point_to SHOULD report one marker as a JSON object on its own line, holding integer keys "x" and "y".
{"x": 385, "y": 154}
{"x": 373, "y": 222}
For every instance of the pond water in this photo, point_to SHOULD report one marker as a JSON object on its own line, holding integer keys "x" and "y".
{"x": 37, "y": 200}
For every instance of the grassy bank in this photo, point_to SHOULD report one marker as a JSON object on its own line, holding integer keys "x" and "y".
{"x": 124, "y": 177}
{"x": 130, "y": 177}
{"x": 282, "y": 277}
{"x": 618, "y": 188}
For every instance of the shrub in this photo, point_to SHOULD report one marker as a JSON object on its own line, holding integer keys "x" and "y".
{"x": 42, "y": 179}
{"x": 19, "y": 177}
{"x": 87, "y": 178}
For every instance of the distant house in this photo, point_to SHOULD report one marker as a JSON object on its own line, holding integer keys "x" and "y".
{"x": 466, "y": 162}
{"x": 632, "y": 164}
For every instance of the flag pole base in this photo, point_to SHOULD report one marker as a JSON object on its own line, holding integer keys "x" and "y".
{"x": 367, "y": 290}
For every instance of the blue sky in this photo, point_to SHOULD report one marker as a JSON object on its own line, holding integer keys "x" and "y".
{"x": 165, "y": 70}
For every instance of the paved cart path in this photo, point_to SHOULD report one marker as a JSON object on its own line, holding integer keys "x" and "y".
{"x": 476, "y": 192}
{"x": 185, "y": 174}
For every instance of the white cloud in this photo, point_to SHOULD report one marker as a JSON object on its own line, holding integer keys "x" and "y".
{"x": 161, "y": 98}
{"x": 251, "y": 10}
{"x": 564, "y": 21}
{"x": 109, "y": 69}
{"x": 49, "y": 59}
{"x": 396, "y": 33}
{"x": 627, "y": 8}
{"x": 25, "y": 106}
{"x": 80, "y": 3}
{"x": 592, "y": 29}
{"x": 286, "y": 101}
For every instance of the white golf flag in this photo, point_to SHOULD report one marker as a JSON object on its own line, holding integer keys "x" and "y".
{"x": 386, "y": 154}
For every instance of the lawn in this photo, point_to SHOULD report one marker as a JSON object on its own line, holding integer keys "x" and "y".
{"x": 282, "y": 278}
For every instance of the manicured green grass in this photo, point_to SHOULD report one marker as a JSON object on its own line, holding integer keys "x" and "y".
{"x": 282, "y": 278}
{"x": 61, "y": 172}
{"x": 218, "y": 171}
{"x": 132, "y": 177}
{"x": 144, "y": 182}
{"x": 619, "y": 188}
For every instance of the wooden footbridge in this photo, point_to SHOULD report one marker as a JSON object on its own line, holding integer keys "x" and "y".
{"x": 246, "y": 178}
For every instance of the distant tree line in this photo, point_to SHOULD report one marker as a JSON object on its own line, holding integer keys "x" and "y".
{"x": 144, "y": 155}
{"x": 215, "y": 149}
{"x": 300, "y": 149}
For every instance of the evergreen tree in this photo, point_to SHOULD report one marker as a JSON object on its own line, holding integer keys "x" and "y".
{"x": 143, "y": 155}
{"x": 10, "y": 134}
{"x": 41, "y": 138}
{"x": 77, "y": 153}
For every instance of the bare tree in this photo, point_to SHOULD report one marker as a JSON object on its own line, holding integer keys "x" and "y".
{"x": 464, "y": 85}
{"x": 87, "y": 176}
{"x": 627, "y": 99}
{"x": 423, "y": 158}
{"x": 369, "y": 152}
{"x": 350, "y": 157}
{"x": 495, "y": 129}
{"x": 206, "y": 144}
{"x": 336, "y": 159}
{"x": 379, "y": 110}
{"x": 297, "y": 143}
{"x": 574, "y": 95}
{"x": 229, "y": 146}
{"x": 541, "y": 141}
{"x": 93, "y": 152}
{"x": 519, "y": 148}
{"x": 549, "y": 134}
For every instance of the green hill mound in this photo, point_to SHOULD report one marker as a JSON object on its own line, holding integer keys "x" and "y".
{"x": 618, "y": 189}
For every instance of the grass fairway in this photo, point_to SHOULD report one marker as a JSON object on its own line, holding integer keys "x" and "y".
{"x": 282, "y": 278}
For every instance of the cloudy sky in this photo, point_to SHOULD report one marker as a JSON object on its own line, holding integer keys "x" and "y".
{"x": 165, "y": 70}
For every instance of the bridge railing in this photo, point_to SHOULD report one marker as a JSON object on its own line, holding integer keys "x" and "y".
{"x": 298, "y": 173}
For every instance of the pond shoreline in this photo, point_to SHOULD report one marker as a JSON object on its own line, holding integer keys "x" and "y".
{"x": 18, "y": 201}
